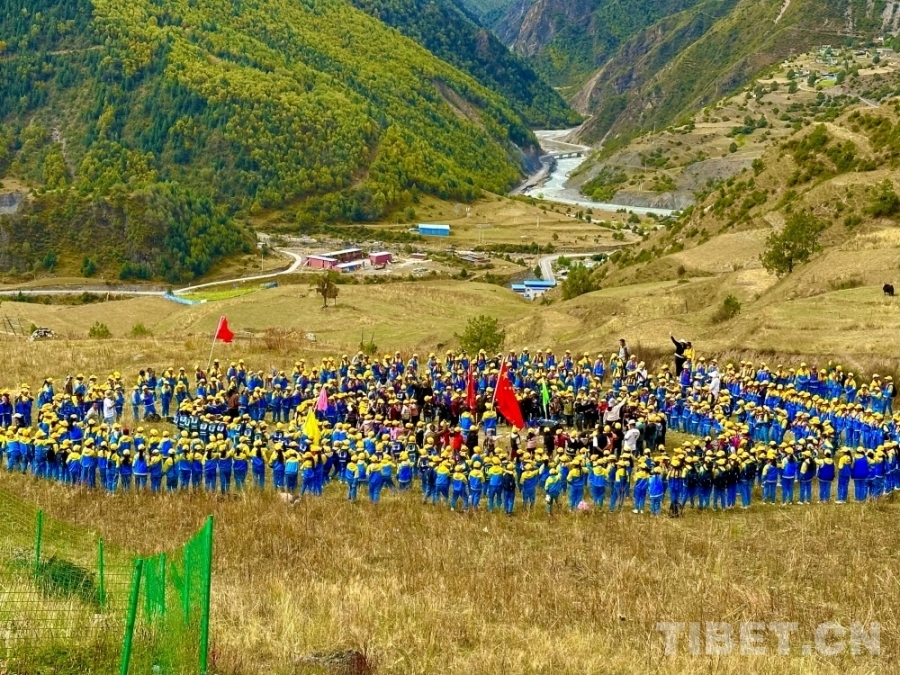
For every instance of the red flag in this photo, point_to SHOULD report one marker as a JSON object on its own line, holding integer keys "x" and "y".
{"x": 222, "y": 332}
{"x": 506, "y": 400}
{"x": 471, "y": 399}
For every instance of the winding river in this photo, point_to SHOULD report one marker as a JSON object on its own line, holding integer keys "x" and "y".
{"x": 550, "y": 182}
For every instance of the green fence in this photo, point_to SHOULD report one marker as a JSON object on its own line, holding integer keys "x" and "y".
{"x": 69, "y": 602}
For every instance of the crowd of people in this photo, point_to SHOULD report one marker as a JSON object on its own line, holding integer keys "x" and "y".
{"x": 593, "y": 433}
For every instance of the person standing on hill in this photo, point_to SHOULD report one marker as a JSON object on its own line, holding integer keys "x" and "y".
{"x": 680, "y": 349}
{"x": 624, "y": 351}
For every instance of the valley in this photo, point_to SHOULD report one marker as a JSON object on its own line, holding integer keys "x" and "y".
{"x": 361, "y": 190}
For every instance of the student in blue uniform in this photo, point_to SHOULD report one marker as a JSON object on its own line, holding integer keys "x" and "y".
{"x": 258, "y": 467}
{"x": 552, "y": 489}
{"x": 460, "y": 483}
{"x": 656, "y": 490}
{"x": 476, "y": 485}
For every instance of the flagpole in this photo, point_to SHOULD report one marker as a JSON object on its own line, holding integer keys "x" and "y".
{"x": 543, "y": 400}
{"x": 497, "y": 383}
{"x": 213, "y": 345}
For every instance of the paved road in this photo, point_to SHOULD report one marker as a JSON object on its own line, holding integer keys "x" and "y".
{"x": 132, "y": 291}
{"x": 98, "y": 290}
{"x": 298, "y": 261}
{"x": 546, "y": 263}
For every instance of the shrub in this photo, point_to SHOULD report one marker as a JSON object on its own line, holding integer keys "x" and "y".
{"x": 482, "y": 332}
{"x": 730, "y": 308}
{"x": 88, "y": 267}
{"x": 99, "y": 331}
{"x": 886, "y": 203}
{"x": 579, "y": 282}
{"x": 845, "y": 284}
{"x": 140, "y": 330}
{"x": 49, "y": 261}
{"x": 368, "y": 348}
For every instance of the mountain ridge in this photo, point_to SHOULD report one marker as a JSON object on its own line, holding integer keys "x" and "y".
{"x": 316, "y": 107}
{"x": 634, "y": 66}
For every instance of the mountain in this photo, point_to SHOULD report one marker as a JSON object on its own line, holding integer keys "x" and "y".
{"x": 453, "y": 34}
{"x": 488, "y": 12}
{"x": 834, "y": 162}
{"x": 635, "y": 65}
{"x": 141, "y": 108}
{"x": 567, "y": 40}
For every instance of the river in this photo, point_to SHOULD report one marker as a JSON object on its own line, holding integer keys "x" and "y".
{"x": 550, "y": 182}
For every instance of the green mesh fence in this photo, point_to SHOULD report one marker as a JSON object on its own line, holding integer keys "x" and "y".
{"x": 69, "y": 602}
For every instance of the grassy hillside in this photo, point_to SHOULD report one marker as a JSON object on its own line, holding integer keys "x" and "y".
{"x": 568, "y": 41}
{"x": 448, "y": 32}
{"x": 692, "y": 58}
{"x": 264, "y": 104}
{"x": 633, "y": 66}
{"x": 419, "y": 589}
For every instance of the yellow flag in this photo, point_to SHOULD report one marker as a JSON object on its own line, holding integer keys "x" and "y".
{"x": 311, "y": 427}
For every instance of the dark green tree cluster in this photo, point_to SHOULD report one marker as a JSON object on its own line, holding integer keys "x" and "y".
{"x": 138, "y": 108}
{"x": 605, "y": 184}
{"x": 482, "y": 332}
{"x": 579, "y": 281}
{"x": 161, "y": 230}
{"x": 445, "y": 30}
{"x": 793, "y": 245}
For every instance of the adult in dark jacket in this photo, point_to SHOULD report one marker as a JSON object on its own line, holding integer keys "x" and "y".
{"x": 680, "y": 347}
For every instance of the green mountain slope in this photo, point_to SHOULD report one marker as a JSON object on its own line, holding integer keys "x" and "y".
{"x": 567, "y": 40}
{"x": 488, "y": 12}
{"x": 635, "y": 65}
{"x": 690, "y": 59}
{"x": 448, "y": 32}
{"x": 250, "y": 104}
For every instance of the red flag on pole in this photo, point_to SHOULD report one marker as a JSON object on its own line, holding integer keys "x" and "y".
{"x": 222, "y": 332}
{"x": 471, "y": 399}
{"x": 506, "y": 400}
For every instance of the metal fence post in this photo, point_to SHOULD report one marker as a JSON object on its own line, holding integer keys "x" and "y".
{"x": 205, "y": 597}
{"x": 38, "y": 537}
{"x": 132, "y": 616}
{"x": 101, "y": 573}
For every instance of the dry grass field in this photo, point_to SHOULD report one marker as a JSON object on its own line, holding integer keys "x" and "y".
{"x": 422, "y": 590}
{"x": 493, "y": 219}
{"x": 400, "y": 315}
{"x": 790, "y": 320}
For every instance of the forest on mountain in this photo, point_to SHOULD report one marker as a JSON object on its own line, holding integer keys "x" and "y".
{"x": 568, "y": 41}
{"x": 633, "y": 66}
{"x": 453, "y": 34}
{"x": 315, "y": 107}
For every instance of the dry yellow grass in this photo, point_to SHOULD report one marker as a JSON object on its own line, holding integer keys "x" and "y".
{"x": 797, "y": 318}
{"x": 728, "y": 252}
{"x": 401, "y": 315}
{"x": 499, "y": 220}
{"x": 422, "y": 590}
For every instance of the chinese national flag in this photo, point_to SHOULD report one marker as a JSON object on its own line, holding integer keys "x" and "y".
{"x": 506, "y": 400}
{"x": 471, "y": 399}
{"x": 222, "y": 332}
